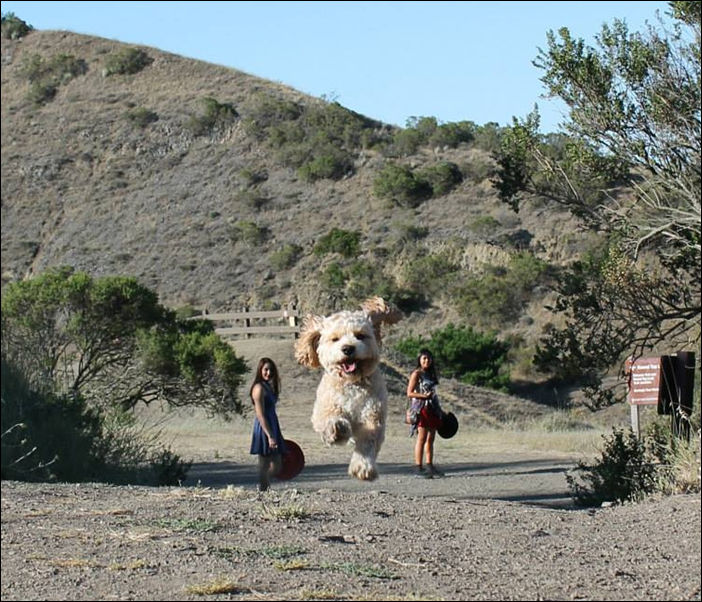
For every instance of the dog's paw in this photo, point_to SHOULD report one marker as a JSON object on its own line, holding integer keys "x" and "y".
{"x": 336, "y": 431}
{"x": 363, "y": 469}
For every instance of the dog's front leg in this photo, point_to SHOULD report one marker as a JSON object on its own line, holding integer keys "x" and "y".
{"x": 363, "y": 458}
{"x": 329, "y": 418}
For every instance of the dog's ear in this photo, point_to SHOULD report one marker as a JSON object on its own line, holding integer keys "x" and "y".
{"x": 306, "y": 345}
{"x": 379, "y": 313}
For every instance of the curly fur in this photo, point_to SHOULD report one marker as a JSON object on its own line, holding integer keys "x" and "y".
{"x": 351, "y": 402}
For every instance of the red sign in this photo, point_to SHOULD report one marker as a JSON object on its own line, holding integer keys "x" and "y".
{"x": 644, "y": 380}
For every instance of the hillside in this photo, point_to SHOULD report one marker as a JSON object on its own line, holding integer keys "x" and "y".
{"x": 117, "y": 174}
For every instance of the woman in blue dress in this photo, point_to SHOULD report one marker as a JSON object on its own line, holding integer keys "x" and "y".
{"x": 267, "y": 440}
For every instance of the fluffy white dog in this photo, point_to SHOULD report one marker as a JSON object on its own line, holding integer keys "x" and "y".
{"x": 351, "y": 398}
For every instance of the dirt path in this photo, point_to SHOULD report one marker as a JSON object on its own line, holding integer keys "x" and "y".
{"x": 88, "y": 542}
{"x": 499, "y": 526}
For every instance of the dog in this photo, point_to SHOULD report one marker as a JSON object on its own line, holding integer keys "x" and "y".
{"x": 351, "y": 401}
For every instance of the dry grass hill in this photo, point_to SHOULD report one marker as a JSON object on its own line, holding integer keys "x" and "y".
{"x": 204, "y": 201}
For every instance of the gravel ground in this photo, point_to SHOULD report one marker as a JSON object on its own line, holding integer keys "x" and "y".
{"x": 396, "y": 539}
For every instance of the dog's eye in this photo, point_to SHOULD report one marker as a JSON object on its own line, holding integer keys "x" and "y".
{"x": 361, "y": 337}
{"x": 334, "y": 339}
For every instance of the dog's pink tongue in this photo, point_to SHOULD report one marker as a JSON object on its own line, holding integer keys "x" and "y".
{"x": 348, "y": 367}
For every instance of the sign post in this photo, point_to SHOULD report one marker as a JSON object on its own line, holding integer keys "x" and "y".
{"x": 666, "y": 381}
{"x": 644, "y": 378}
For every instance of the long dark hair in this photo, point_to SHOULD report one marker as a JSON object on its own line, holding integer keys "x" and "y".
{"x": 431, "y": 372}
{"x": 275, "y": 378}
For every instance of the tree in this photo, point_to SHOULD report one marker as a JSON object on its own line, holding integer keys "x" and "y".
{"x": 111, "y": 342}
{"x": 628, "y": 164}
{"x": 14, "y": 28}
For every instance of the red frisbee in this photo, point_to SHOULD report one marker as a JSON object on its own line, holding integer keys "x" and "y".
{"x": 293, "y": 461}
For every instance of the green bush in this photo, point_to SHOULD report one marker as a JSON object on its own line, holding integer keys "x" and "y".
{"x": 452, "y": 134}
{"x": 13, "y": 28}
{"x": 215, "y": 115}
{"x": 500, "y": 294}
{"x": 141, "y": 117}
{"x": 401, "y": 185}
{"x": 320, "y": 140}
{"x": 49, "y": 437}
{"x": 286, "y": 257}
{"x": 333, "y": 277}
{"x": 344, "y": 242}
{"x": 252, "y": 177}
{"x": 431, "y": 273}
{"x": 488, "y": 137}
{"x": 40, "y": 93}
{"x": 426, "y": 131}
{"x": 127, "y": 61}
{"x": 410, "y": 233}
{"x": 46, "y": 75}
{"x": 119, "y": 346}
{"x": 253, "y": 198}
{"x": 329, "y": 164}
{"x": 479, "y": 169}
{"x": 405, "y": 143}
{"x": 249, "y": 232}
{"x": 624, "y": 472}
{"x": 442, "y": 177}
{"x": 462, "y": 353}
{"x": 484, "y": 226}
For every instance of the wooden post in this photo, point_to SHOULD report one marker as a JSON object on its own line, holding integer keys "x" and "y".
{"x": 685, "y": 384}
{"x": 247, "y": 322}
{"x": 635, "y": 419}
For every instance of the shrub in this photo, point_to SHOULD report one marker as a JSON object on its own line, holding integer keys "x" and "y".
{"x": 452, "y": 134}
{"x": 488, "y": 137}
{"x": 484, "y": 226}
{"x": 400, "y": 185}
{"x": 344, "y": 242}
{"x": 46, "y": 75}
{"x": 329, "y": 164}
{"x": 442, "y": 177}
{"x": 405, "y": 143}
{"x": 333, "y": 277}
{"x": 624, "y": 472}
{"x": 410, "y": 233}
{"x": 500, "y": 294}
{"x": 320, "y": 140}
{"x": 253, "y": 198}
{"x": 141, "y": 117}
{"x": 460, "y": 352}
{"x": 49, "y": 437}
{"x": 215, "y": 115}
{"x": 14, "y": 28}
{"x": 249, "y": 232}
{"x": 250, "y": 177}
{"x": 429, "y": 273}
{"x": 286, "y": 257}
{"x": 126, "y": 62}
{"x": 479, "y": 169}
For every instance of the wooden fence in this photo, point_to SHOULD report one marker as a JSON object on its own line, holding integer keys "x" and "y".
{"x": 249, "y": 323}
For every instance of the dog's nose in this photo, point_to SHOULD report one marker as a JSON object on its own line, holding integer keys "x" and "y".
{"x": 348, "y": 349}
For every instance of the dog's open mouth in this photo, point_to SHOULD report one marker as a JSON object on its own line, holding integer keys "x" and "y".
{"x": 348, "y": 367}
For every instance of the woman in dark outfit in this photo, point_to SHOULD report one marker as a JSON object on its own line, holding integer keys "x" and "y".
{"x": 425, "y": 412}
{"x": 267, "y": 440}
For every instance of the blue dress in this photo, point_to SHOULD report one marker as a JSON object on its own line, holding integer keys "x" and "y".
{"x": 259, "y": 440}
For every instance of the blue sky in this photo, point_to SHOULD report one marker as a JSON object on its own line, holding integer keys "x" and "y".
{"x": 386, "y": 60}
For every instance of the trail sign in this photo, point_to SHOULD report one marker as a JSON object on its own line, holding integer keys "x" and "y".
{"x": 644, "y": 374}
